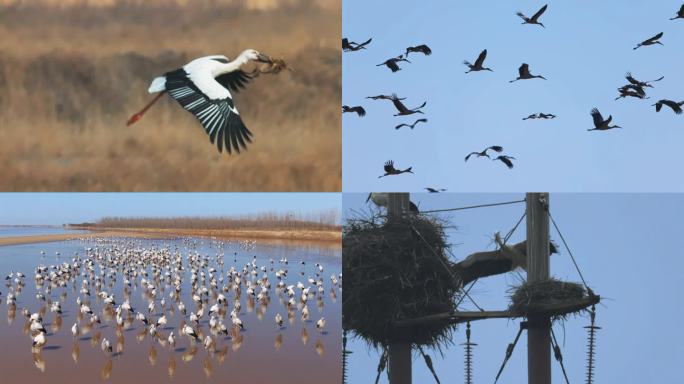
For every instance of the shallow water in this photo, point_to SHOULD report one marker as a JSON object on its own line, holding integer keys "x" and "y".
{"x": 261, "y": 353}
{"x": 12, "y": 231}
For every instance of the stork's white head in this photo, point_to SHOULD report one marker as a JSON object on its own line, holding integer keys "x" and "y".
{"x": 254, "y": 55}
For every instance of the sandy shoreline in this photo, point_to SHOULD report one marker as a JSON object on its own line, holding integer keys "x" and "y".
{"x": 324, "y": 238}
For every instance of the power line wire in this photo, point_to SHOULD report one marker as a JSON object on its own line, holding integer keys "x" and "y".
{"x": 475, "y": 206}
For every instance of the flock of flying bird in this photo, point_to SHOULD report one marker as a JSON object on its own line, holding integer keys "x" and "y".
{"x": 164, "y": 275}
{"x": 635, "y": 89}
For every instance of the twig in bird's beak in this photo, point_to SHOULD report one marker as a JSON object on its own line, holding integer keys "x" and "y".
{"x": 264, "y": 58}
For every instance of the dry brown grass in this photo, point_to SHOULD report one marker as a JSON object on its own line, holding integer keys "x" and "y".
{"x": 72, "y": 76}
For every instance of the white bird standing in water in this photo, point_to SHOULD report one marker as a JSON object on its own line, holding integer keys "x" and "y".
{"x": 320, "y": 324}
{"x": 203, "y": 88}
{"x": 279, "y": 319}
{"x": 74, "y": 329}
{"x": 172, "y": 340}
{"x": 39, "y": 340}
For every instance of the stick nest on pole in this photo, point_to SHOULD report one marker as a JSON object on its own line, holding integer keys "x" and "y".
{"x": 397, "y": 270}
{"x": 538, "y": 296}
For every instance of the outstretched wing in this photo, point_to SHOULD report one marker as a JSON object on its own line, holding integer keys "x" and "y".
{"x": 496, "y": 148}
{"x": 399, "y": 105}
{"x": 364, "y": 43}
{"x": 234, "y": 81}
{"x": 521, "y": 15}
{"x": 425, "y": 49}
{"x": 480, "y": 59}
{"x": 654, "y": 38}
{"x": 216, "y": 113}
{"x": 391, "y": 64}
{"x": 598, "y": 119}
{"x": 675, "y": 106}
{"x": 539, "y": 13}
{"x": 506, "y": 161}
{"x": 524, "y": 70}
{"x": 359, "y": 110}
{"x": 389, "y": 167}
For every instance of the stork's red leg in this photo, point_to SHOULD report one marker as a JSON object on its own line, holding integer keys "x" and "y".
{"x": 140, "y": 114}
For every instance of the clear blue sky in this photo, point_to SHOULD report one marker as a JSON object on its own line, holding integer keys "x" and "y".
{"x": 629, "y": 250}
{"x": 60, "y": 208}
{"x": 584, "y": 52}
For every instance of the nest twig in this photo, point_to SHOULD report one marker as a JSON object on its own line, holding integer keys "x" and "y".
{"x": 392, "y": 273}
{"x": 276, "y": 66}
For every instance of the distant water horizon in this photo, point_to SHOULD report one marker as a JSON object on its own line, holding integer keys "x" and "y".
{"x": 35, "y": 230}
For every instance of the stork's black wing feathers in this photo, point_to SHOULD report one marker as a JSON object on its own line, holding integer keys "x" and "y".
{"x": 219, "y": 118}
{"x": 234, "y": 81}
{"x": 537, "y": 15}
{"x": 480, "y": 59}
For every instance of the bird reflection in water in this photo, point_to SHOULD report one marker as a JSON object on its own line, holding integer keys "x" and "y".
{"x": 152, "y": 355}
{"x": 106, "y": 372}
{"x": 56, "y": 324}
{"x": 206, "y": 365}
{"x": 171, "y": 367}
{"x": 237, "y": 342}
{"x": 305, "y": 336}
{"x": 320, "y": 349}
{"x": 221, "y": 354}
{"x": 278, "y": 341}
{"x": 38, "y": 361}
{"x": 190, "y": 354}
{"x": 95, "y": 340}
{"x": 11, "y": 314}
{"x": 75, "y": 352}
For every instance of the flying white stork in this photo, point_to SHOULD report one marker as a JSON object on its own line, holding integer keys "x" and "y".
{"x": 203, "y": 88}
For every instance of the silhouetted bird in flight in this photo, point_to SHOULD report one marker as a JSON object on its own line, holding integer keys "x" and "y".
{"x": 358, "y": 110}
{"x": 350, "y": 46}
{"x": 632, "y": 90}
{"x": 383, "y": 97}
{"x": 599, "y": 123}
{"x": 652, "y": 41}
{"x": 424, "y": 49}
{"x": 392, "y": 63}
{"x": 675, "y": 106}
{"x": 411, "y": 125}
{"x": 506, "y": 160}
{"x": 524, "y": 74}
{"x": 642, "y": 84}
{"x": 680, "y": 14}
{"x": 484, "y": 153}
{"x": 403, "y": 111}
{"x": 535, "y": 18}
{"x": 478, "y": 66}
{"x": 540, "y": 116}
{"x": 435, "y": 190}
{"x": 391, "y": 171}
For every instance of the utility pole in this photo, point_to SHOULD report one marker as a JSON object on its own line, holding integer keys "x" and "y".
{"x": 539, "y": 327}
{"x": 399, "y": 353}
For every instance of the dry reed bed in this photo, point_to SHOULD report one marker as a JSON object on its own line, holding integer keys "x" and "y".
{"x": 71, "y": 83}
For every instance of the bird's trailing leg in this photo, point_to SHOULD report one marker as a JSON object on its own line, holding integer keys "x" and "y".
{"x": 133, "y": 119}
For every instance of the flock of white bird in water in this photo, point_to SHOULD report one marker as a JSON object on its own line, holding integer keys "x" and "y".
{"x": 217, "y": 294}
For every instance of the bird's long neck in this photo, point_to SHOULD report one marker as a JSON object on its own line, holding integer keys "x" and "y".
{"x": 233, "y": 65}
